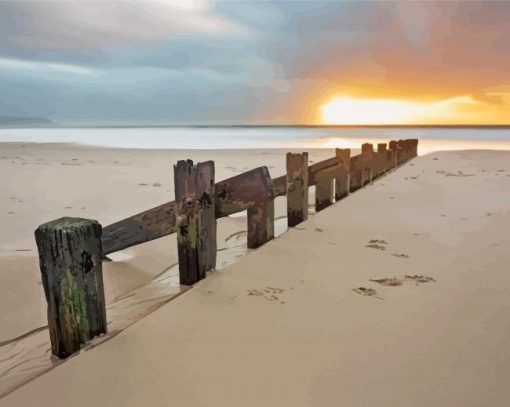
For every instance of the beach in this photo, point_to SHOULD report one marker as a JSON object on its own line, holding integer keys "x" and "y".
{"x": 42, "y": 182}
{"x": 395, "y": 296}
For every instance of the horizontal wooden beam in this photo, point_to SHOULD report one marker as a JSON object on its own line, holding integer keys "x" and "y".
{"x": 143, "y": 227}
{"x": 324, "y": 167}
{"x": 233, "y": 195}
{"x": 246, "y": 190}
{"x": 280, "y": 186}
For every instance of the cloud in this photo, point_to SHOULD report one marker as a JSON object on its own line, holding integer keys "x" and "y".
{"x": 85, "y": 25}
{"x": 220, "y": 62}
{"x": 17, "y": 64}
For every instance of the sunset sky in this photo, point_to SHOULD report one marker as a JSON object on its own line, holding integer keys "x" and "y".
{"x": 289, "y": 62}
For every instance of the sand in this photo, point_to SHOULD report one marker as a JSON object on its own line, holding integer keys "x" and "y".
{"x": 301, "y": 321}
{"x": 42, "y": 182}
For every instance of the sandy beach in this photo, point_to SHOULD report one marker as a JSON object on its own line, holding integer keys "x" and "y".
{"x": 42, "y": 182}
{"x": 394, "y": 296}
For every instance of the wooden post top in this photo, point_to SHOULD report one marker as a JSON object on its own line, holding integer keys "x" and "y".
{"x": 68, "y": 223}
{"x": 367, "y": 148}
{"x": 344, "y": 154}
{"x": 381, "y": 147}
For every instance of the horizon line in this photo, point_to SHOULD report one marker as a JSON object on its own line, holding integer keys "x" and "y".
{"x": 460, "y": 126}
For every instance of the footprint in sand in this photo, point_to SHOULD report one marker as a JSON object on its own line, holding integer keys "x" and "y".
{"x": 156, "y": 184}
{"x": 420, "y": 279}
{"x": 367, "y": 292}
{"x": 401, "y": 255}
{"x": 388, "y": 282}
{"x": 319, "y": 230}
{"x": 268, "y": 293}
{"x": 395, "y": 281}
{"x": 377, "y": 244}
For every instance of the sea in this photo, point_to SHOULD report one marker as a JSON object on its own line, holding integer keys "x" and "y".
{"x": 264, "y": 137}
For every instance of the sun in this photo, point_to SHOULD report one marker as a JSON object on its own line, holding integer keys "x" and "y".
{"x": 345, "y": 110}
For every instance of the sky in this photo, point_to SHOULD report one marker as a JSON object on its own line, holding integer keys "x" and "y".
{"x": 231, "y": 62}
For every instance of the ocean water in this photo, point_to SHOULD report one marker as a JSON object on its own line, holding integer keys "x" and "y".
{"x": 431, "y": 139}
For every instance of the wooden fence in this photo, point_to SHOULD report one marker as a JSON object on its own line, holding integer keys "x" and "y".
{"x": 71, "y": 249}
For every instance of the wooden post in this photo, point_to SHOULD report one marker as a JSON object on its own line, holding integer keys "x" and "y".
{"x": 367, "y": 150}
{"x": 195, "y": 219}
{"x": 342, "y": 183}
{"x": 381, "y": 158}
{"x": 414, "y": 143}
{"x": 356, "y": 173}
{"x": 394, "y": 148}
{"x": 260, "y": 224}
{"x": 400, "y": 152}
{"x": 297, "y": 188}
{"x": 323, "y": 194}
{"x": 72, "y": 276}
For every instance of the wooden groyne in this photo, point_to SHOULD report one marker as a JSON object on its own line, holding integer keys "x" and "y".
{"x": 71, "y": 249}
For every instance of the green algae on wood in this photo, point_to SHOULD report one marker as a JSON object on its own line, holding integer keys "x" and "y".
{"x": 195, "y": 219}
{"x": 70, "y": 260}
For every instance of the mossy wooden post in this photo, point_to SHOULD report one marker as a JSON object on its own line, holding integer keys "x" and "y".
{"x": 297, "y": 188}
{"x": 324, "y": 194}
{"x": 342, "y": 183}
{"x": 195, "y": 219}
{"x": 260, "y": 224}
{"x": 72, "y": 276}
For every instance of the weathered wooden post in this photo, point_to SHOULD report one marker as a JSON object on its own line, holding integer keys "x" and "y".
{"x": 367, "y": 151}
{"x": 356, "y": 173}
{"x": 324, "y": 196}
{"x": 260, "y": 224}
{"x": 342, "y": 183}
{"x": 195, "y": 219}
{"x": 394, "y": 148}
{"x": 297, "y": 188}
{"x": 401, "y": 152}
{"x": 72, "y": 276}
{"x": 381, "y": 158}
{"x": 414, "y": 147}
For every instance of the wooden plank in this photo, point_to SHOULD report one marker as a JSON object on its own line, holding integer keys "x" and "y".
{"x": 195, "y": 219}
{"x": 72, "y": 276}
{"x": 260, "y": 224}
{"x": 322, "y": 166}
{"x": 243, "y": 191}
{"x": 297, "y": 188}
{"x": 342, "y": 181}
{"x": 280, "y": 186}
{"x": 143, "y": 227}
{"x": 232, "y": 195}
